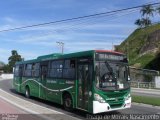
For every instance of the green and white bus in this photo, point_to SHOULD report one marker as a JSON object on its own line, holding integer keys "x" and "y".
{"x": 94, "y": 81}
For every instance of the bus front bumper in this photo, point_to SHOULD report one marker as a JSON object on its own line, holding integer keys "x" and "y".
{"x": 105, "y": 107}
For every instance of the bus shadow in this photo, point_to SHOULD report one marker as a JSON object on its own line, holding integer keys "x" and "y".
{"x": 54, "y": 106}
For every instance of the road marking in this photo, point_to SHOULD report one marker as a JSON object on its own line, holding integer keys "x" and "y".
{"x": 31, "y": 111}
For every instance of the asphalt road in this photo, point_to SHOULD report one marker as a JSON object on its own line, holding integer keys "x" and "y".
{"x": 135, "y": 109}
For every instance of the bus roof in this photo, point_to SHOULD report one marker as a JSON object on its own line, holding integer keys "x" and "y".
{"x": 69, "y": 55}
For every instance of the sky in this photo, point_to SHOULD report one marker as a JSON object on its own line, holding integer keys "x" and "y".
{"x": 100, "y": 32}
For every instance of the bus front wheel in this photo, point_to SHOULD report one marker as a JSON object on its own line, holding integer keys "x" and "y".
{"x": 67, "y": 102}
{"x": 27, "y": 92}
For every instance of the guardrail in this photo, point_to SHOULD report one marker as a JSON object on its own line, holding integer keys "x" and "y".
{"x": 148, "y": 85}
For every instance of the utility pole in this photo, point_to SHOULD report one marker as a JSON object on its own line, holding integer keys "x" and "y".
{"x": 128, "y": 49}
{"x": 61, "y": 44}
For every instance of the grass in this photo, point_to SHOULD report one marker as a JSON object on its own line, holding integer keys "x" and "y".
{"x": 145, "y": 59}
{"x": 146, "y": 100}
{"x": 133, "y": 44}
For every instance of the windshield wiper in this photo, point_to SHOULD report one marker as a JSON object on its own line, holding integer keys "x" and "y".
{"x": 109, "y": 67}
{"x": 112, "y": 73}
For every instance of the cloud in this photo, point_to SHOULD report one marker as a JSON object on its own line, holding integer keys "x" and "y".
{"x": 77, "y": 36}
{"x": 67, "y": 32}
{"x": 4, "y": 54}
{"x": 9, "y": 19}
{"x": 72, "y": 48}
{"x": 98, "y": 32}
{"x": 27, "y": 55}
{"x": 87, "y": 24}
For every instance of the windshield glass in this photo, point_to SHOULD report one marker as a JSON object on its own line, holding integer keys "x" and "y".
{"x": 111, "y": 75}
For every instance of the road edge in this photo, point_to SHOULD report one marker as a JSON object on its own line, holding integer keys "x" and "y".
{"x": 146, "y": 105}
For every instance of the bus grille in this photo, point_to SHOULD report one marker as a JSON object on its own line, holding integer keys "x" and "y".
{"x": 115, "y": 94}
{"x": 116, "y": 105}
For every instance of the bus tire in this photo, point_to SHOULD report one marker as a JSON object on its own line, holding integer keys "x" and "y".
{"x": 67, "y": 102}
{"x": 27, "y": 92}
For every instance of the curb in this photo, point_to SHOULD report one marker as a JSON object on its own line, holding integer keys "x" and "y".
{"x": 146, "y": 105}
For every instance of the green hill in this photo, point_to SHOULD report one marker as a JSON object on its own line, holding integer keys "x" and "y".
{"x": 143, "y": 47}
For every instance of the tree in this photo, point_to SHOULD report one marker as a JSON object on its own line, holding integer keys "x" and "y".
{"x": 11, "y": 61}
{"x": 158, "y": 10}
{"x": 139, "y": 23}
{"x": 147, "y": 10}
{"x": 6, "y": 69}
{"x": 145, "y": 22}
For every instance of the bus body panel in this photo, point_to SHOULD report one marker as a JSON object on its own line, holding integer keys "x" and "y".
{"x": 82, "y": 88}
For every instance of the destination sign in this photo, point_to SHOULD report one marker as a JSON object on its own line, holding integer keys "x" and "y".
{"x": 109, "y": 56}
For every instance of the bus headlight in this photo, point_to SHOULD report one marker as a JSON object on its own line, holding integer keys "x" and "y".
{"x": 128, "y": 96}
{"x": 99, "y": 98}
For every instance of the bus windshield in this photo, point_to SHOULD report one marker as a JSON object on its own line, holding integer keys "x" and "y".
{"x": 112, "y": 75}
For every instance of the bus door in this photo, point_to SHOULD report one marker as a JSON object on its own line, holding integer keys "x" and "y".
{"x": 84, "y": 84}
{"x": 44, "y": 69}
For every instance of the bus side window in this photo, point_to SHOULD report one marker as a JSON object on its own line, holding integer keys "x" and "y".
{"x": 37, "y": 67}
{"x": 16, "y": 70}
{"x": 55, "y": 69}
{"x": 72, "y": 63}
{"x": 33, "y": 70}
{"x": 28, "y": 70}
{"x": 21, "y": 70}
{"x": 69, "y": 69}
{"x": 44, "y": 72}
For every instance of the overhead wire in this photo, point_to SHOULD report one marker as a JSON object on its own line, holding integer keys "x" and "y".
{"x": 74, "y": 27}
{"x": 74, "y": 18}
{"x": 84, "y": 21}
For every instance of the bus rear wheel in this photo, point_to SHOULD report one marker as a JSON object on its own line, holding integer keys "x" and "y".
{"x": 67, "y": 102}
{"x": 27, "y": 92}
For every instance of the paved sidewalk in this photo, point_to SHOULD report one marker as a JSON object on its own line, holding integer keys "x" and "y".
{"x": 11, "y": 112}
{"x": 42, "y": 112}
{"x": 7, "y": 108}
